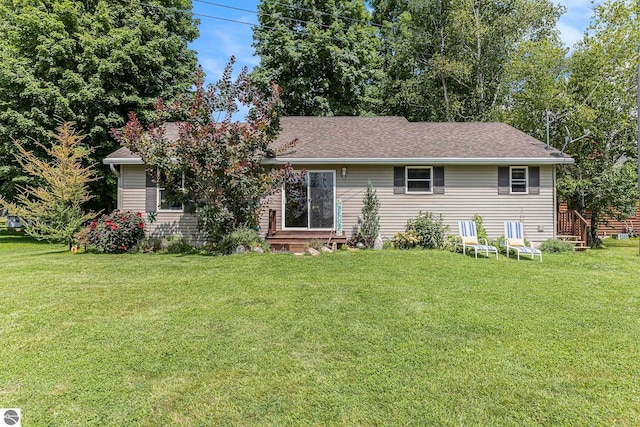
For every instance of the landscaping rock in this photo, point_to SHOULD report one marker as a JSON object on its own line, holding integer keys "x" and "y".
{"x": 326, "y": 249}
{"x": 258, "y": 250}
{"x": 377, "y": 245}
{"x": 239, "y": 250}
{"x": 313, "y": 252}
{"x": 360, "y": 245}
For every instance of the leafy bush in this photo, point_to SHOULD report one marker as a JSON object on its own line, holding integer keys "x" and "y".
{"x": 450, "y": 244}
{"x": 501, "y": 243}
{"x": 117, "y": 232}
{"x": 430, "y": 231}
{"x": 248, "y": 238}
{"x": 556, "y": 245}
{"x": 405, "y": 240}
{"x": 482, "y": 233}
{"x": 177, "y": 245}
{"x": 316, "y": 244}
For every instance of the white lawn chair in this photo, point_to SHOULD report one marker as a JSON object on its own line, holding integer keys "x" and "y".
{"x": 514, "y": 239}
{"x": 469, "y": 239}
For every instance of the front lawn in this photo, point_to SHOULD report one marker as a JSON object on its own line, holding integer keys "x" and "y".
{"x": 368, "y": 338}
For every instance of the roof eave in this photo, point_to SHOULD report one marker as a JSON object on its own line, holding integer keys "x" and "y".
{"x": 424, "y": 160}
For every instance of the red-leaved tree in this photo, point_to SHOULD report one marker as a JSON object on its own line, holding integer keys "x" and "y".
{"x": 214, "y": 166}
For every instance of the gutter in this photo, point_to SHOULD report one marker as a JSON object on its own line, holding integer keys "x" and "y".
{"x": 506, "y": 161}
{"x": 426, "y": 160}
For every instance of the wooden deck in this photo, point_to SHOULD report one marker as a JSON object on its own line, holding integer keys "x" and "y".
{"x": 295, "y": 241}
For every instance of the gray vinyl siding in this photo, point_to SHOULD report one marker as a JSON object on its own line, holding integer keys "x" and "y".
{"x": 468, "y": 190}
{"x": 133, "y": 183}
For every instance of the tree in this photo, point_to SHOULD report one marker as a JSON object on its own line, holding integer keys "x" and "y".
{"x": 370, "y": 225}
{"x": 322, "y": 54}
{"x": 602, "y": 82}
{"x": 445, "y": 59}
{"x": 591, "y": 94}
{"x": 215, "y": 165}
{"x": 52, "y": 209}
{"x": 90, "y": 62}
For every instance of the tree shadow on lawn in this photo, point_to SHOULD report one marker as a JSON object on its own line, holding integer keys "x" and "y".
{"x": 13, "y": 237}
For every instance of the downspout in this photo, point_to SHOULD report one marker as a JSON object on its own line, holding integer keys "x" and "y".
{"x": 115, "y": 171}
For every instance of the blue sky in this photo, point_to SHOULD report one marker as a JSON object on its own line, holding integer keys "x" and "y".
{"x": 220, "y": 39}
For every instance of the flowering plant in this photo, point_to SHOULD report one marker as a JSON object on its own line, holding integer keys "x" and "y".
{"x": 117, "y": 232}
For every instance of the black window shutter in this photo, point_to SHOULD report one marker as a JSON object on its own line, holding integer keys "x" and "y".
{"x": 398, "y": 180}
{"x": 438, "y": 180}
{"x": 151, "y": 194}
{"x": 534, "y": 180}
{"x": 503, "y": 180}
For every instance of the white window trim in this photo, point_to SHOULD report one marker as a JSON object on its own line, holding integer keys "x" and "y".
{"x": 159, "y": 199}
{"x": 283, "y": 203}
{"x": 526, "y": 180}
{"x": 406, "y": 180}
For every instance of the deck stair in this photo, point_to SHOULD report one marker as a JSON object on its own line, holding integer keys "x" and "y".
{"x": 296, "y": 241}
{"x": 578, "y": 245}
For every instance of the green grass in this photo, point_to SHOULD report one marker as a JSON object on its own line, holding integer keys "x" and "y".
{"x": 368, "y": 338}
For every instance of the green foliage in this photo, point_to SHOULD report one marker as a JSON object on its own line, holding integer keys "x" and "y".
{"x": 370, "y": 225}
{"x": 429, "y": 230}
{"x": 117, "y": 232}
{"x": 495, "y": 343}
{"x": 248, "y": 238}
{"x": 405, "y": 240}
{"x": 52, "y": 208}
{"x": 90, "y": 62}
{"x": 480, "y": 230}
{"x": 316, "y": 244}
{"x": 324, "y": 55}
{"x": 219, "y": 161}
{"x": 591, "y": 93}
{"x": 446, "y": 61}
{"x": 556, "y": 245}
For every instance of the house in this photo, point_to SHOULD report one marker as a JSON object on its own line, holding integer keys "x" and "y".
{"x": 453, "y": 169}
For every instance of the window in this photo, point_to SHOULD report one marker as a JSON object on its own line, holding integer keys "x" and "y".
{"x": 518, "y": 179}
{"x": 419, "y": 179}
{"x": 165, "y": 205}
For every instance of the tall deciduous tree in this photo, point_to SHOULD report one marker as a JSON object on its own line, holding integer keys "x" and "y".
{"x": 323, "y": 54}
{"x": 603, "y": 86}
{"x": 90, "y": 62}
{"x": 445, "y": 59}
{"x": 52, "y": 209}
{"x": 215, "y": 163}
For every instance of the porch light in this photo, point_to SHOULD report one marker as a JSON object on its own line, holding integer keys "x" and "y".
{"x": 344, "y": 171}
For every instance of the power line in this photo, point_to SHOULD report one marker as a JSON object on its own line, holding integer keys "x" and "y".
{"x": 219, "y": 18}
{"x": 287, "y": 18}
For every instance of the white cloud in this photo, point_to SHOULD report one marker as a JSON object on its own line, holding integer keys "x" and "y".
{"x": 574, "y": 22}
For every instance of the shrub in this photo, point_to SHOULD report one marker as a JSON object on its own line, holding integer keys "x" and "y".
{"x": 248, "y": 238}
{"x": 556, "y": 245}
{"x": 370, "y": 219}
{"x": 316, "y": 244}
{"x": 117, "y": 232}
{"x": 405, "y": 240}
{"x": 430, "y": 231}
{"x": 482, "y": 233}
{"x": 177, "y": 245}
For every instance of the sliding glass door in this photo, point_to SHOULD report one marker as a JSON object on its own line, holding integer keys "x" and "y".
{"x": 309, "y": 203}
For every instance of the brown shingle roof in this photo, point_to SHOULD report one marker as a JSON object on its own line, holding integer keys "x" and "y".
{"x": 364, "y": 139}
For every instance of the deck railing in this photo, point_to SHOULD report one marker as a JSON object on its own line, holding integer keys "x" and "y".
{"x": 572, "y": 223}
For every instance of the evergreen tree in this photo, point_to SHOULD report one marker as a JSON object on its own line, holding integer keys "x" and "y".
{"x": 52, "y": 209}
{"x": 324, "y": 55}
{"x": 370, "y": 225}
